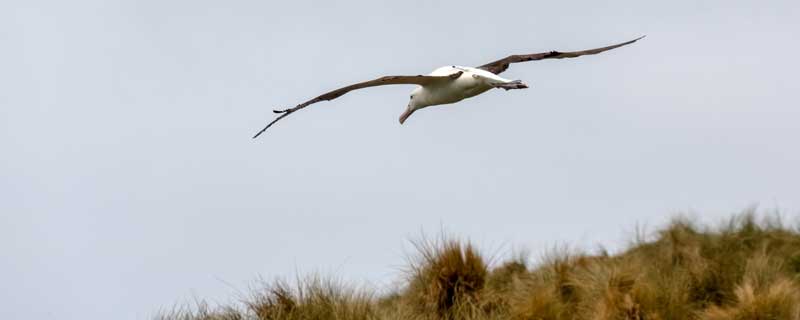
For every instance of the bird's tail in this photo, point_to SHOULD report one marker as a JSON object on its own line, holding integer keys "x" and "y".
{"x": 516, "y": 84}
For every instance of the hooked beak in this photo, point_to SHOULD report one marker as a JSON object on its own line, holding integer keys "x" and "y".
{"x": 407, "y": 113}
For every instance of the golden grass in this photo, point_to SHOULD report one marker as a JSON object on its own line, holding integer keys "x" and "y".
{"x": 312, "y": 298}
{"x": 744, "y": 269}
{"x": 446, "y": 279}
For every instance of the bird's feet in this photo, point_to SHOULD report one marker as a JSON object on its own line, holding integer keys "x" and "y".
{"x": 516, "y": 84}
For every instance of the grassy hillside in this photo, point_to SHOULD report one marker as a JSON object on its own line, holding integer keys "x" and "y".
{"x": 748, "y": 268}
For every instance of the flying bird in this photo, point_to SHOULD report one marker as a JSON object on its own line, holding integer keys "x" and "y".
{"x": 449, "y": 84}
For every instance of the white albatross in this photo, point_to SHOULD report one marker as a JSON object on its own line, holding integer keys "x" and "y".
{"x": 449, "y": 84}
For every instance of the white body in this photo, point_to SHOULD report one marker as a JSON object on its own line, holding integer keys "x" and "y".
{"x": 471, "y": 83}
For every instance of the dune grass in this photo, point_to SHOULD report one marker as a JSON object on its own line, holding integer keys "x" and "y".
{"x": 745, "y": 269}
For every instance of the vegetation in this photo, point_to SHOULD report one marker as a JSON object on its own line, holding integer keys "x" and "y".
{"x": 746, "y": 269}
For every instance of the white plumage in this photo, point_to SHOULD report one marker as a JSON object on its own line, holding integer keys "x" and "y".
{"x": 470, "y": 83}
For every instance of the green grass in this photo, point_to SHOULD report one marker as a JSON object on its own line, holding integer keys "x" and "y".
{"x": 745, "y": 269}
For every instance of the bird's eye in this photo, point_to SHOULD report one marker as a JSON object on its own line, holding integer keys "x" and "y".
{"x": 411, "y": 97}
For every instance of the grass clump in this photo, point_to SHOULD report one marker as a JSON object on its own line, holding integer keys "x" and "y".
{"x": 200, "y": 311}
{"x": 447, "y": 277}
{"x": 312, "y": 298}
{"x": 745, "y": 269}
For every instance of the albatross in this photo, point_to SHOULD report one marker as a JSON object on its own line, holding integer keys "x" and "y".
{"x": 449, "y": 84}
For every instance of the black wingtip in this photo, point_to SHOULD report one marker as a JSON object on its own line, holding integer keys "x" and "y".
{"x": 284, "y": 113}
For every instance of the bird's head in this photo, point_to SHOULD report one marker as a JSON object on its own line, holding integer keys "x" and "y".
{"x": 416, "y": 101}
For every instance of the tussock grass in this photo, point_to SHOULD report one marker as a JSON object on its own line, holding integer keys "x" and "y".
{"x": 747, "y": 268}
{"x": 446, "y": 279}
{"x": 312, "y": 298}
{"x": 200, "y": 311}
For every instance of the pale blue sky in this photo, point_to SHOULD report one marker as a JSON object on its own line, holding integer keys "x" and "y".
{"x": 129, "y": 182}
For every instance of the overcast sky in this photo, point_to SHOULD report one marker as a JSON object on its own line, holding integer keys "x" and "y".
{"x": 129, "y": 182}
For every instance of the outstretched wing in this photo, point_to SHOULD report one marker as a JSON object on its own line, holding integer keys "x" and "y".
{"x": 418, "y": 80}
{"x": 501, "y": 65}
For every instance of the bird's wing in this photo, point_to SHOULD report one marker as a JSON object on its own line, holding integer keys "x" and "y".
{"x": 501, "y": 65}
{"x": 418, "y": 80}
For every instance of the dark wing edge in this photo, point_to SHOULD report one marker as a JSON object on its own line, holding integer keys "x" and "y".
{"x": 501, "y": 65}
{"x": 387, "y": 80}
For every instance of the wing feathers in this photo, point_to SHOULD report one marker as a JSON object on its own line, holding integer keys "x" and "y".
{"x": 501, "y": 65}
{"x": 388, "y": 80}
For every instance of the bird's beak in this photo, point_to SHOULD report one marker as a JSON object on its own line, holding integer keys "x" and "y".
{"x": 407, "y": 113}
